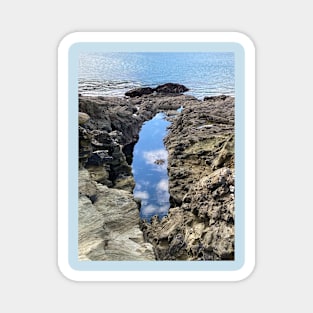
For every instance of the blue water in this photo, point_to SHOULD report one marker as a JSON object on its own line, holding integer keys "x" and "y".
{"x": 112, "y": 74}
{"x": 151, "y": 178}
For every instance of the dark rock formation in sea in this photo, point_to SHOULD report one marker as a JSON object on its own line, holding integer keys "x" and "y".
{"x": 165, "y": 89}
{"x": 200, "y": 222}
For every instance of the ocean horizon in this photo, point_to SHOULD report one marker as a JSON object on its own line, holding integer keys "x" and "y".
{"x": 114, "y": 73}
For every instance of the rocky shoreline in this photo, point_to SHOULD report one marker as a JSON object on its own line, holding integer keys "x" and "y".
{"x": 200, "y": 143}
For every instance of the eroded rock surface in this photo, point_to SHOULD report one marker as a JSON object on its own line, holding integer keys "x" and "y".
{"x": 109, "y": 223}
{"x": 200, "y": 223}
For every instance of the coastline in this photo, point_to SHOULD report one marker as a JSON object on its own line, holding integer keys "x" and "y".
{"x": 200, "y": 142}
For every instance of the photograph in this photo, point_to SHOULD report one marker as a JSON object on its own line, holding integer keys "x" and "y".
{"x": 157, "y": 156}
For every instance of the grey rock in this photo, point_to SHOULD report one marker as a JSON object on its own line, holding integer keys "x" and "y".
{"x": 109, "y": 227}
{"x": 83, "y": 118}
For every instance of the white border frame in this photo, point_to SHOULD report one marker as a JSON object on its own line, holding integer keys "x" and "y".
{"x": 63, "y": 154}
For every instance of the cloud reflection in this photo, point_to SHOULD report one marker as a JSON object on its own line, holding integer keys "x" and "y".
{"x": 162, "y": 185}
{"x": 162, "y": 191}
{"x": 151, "y": 156}
{"x": 141, "y": 194}
{"x": 151, "y": 210}
{"x": 154, "y": 198}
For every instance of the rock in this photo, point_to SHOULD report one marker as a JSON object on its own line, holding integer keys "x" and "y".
{"x": 159, "y": 161}
{"x": 138, "y": 92}
{"x": 85, "y": 146}
{"x": 100, "y": 174}
{"x": 171, "y": 88}
{"x": 226, "y": 154}
{"x": 99, "y": 157}
{"x": 125, "y": 183}
{"x": 165, "y": 89}
{"x": 215, "y": 98}
{"x": 108, "y": 213}
{"x": 109, "y": 227}
{"x": 200, "y": 223}
{"x": 83, "y": 118}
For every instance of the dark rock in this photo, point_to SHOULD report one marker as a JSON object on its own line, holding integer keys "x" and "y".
{"x": 168, "y": 88}
{"x": 99, "y": 158}
{"x": 171, "y": 88}
{"x": 138, "y": 92}
{"x": 85, "y": 146}
{"x": 214, "y": 98}
{"x": 159, "y": 161}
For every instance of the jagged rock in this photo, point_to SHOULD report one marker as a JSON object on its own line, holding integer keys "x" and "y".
{"x": 99, "y": 157}
{"x": 125, "y": 183}
{"x": 85, "y": 146}
{"x": 200, "y": 224}
{"x": 100, "y": 174}
{"x": 109, "y": 224}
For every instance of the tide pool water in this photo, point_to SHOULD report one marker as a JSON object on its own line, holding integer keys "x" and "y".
{"x": 150, "y": 168}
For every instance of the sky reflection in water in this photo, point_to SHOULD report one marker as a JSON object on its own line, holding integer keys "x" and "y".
{"x": 151, "y": 178}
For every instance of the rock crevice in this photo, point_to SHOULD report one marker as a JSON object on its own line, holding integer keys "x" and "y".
{"x": 200, "y": 142}
{"x": 200, "y": 223}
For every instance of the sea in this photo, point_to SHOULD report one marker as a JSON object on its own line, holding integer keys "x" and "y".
{"x": 112, "y": 74}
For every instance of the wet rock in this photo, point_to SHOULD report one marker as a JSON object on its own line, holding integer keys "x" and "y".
{"x": 170, "y": 88}
{"x": 165, "y": 89}
{"x": 138, "y": 92}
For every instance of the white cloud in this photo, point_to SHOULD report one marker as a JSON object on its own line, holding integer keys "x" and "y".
{"x": 163, "y": 209}
{"x": 141, "y": 194}
{"x": 154, "y": 210}
{"x": 162, "y": 191}
{"x": 151, "y": 156}
{"x": 149, "y": 209}
{"x": 162, "y": 185}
